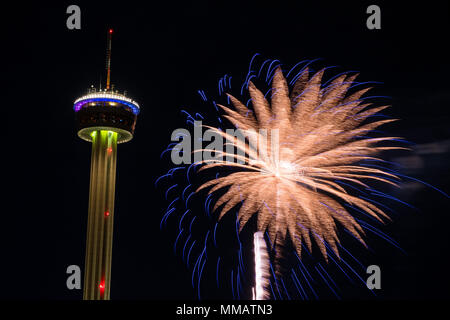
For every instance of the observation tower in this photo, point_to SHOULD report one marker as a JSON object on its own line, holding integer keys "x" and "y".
{"x": 105, "y": 118}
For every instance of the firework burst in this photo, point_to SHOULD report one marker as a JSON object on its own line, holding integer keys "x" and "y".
{"x": 304, "y": 170}
{"x": 291, "y": 186}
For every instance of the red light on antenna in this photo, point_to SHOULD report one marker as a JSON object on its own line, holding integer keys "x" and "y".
{"x": 110, "y": 31}
{"x": 107, "y": 214}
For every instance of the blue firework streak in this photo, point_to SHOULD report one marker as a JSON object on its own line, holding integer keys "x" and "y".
{"x": 220, "y": 251}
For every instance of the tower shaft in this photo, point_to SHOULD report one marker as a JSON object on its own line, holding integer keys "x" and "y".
{"x": 97, "y": 276}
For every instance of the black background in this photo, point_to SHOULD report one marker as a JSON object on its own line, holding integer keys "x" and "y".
{"x": 162, "y": 54}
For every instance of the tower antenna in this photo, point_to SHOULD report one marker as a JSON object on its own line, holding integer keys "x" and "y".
{"x": 108, "y": 59}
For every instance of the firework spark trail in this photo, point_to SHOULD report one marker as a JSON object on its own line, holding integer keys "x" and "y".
{"x": 262, "y": 274}
{"x": 320, "y": 134}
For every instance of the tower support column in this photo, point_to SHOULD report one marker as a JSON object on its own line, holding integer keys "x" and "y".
{"x": 97, "y": 273}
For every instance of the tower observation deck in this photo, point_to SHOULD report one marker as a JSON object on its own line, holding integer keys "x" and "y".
{"x": 106, "y": 110}
{"x": 104, "y": 118}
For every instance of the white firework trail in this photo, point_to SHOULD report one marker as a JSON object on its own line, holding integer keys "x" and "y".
{"x": 262, "y": 273}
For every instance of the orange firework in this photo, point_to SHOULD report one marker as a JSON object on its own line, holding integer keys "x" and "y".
{"x": 291, "y": 186}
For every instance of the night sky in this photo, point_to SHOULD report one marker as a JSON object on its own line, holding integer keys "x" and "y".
{"x": 162, "y": 55}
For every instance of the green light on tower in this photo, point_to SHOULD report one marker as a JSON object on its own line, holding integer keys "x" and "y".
{"x": 105, "y": 118}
